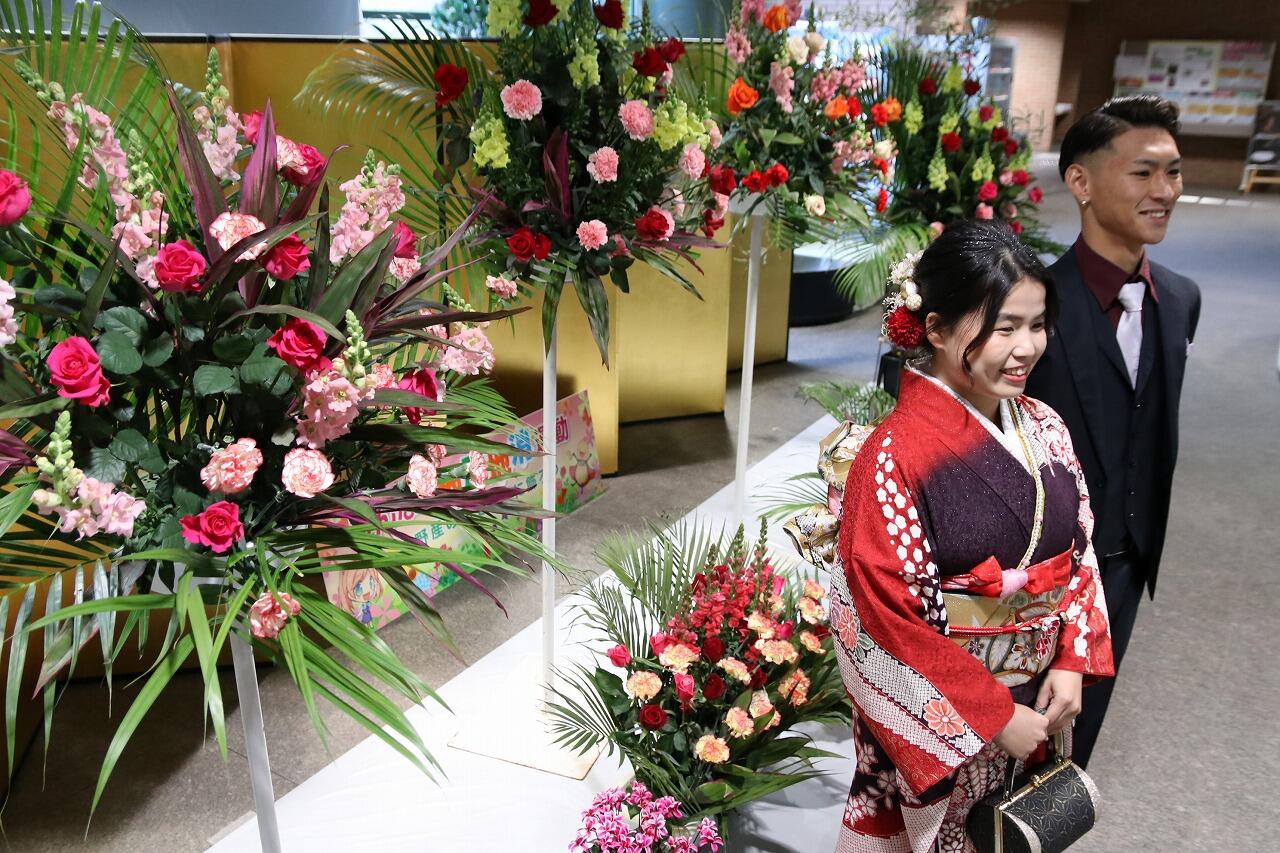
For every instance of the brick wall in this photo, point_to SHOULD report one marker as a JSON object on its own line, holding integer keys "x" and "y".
{"x": 1039, "y": 28}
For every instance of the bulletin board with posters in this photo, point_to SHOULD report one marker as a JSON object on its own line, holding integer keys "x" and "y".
{"x": 1262, "y": 160}
{"x": 1217, "y": 85}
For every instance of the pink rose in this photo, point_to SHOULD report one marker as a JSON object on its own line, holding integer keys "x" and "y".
{"x": 268, "y": 614}
{"x": 1006, "y": 178}
{"x": 299, "y": 343}
{"x": 287, "y": 258}
{"x": 1036, "y": 195}
{"x": 15, "y": 198}
{"x": 984, "y": 211}
{"x": 602, "y": 165}
{"x": 252, "y": 124}
{"x": 592, "y": 234}
{"x": 619, "y": 656}
{"x": 217, "y": 528}
{"x": 74, "y": 367}
{"x": 1009, "y": 210}
{"x": 521, "y": 100}
{"x": 501, "y": 286}
{"x": 406, "y": 242}
{"x": 231, "y": 469}
{"x": 178, "y": 267}
{"x": 988, "y": 191}
{"x": 421, "y": 478}
{"x": 306, "y": 473}
{"x": 937, "y": 228}
{"x": 659, "y": 642}
{"x": 230, "y": 228}
{"x": 422, "y": 381}
{"x": 306, "y": 167}
{"x": 684, "y": 688}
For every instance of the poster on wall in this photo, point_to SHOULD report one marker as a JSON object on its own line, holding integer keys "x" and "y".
{"x": 1264, "y": 145}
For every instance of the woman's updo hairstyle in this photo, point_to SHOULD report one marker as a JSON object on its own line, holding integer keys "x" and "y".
{"x": 973, "y": 266}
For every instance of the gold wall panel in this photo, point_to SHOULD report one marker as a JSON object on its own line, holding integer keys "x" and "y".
{"x": 775, "y": 299}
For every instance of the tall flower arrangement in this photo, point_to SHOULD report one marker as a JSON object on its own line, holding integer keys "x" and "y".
{"x": 591, "y": 161}
{"x": 715, "y": 656}
{"x": 800, "y": 133}
{"x": 230, "y": 399}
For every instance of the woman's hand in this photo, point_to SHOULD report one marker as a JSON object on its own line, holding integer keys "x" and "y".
{"x": 1060, "y": 694}
{"x": 1023, "y": 733}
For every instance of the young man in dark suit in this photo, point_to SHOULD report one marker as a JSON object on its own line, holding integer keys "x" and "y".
{"x": 1114, "y": 367}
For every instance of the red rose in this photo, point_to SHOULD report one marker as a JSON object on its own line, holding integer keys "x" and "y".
{"x": 287, "y": 258}
{"x": 904, "y": 328}
{"x": 525, "y": 245}
{"x": 1036, "y": 195}
{"x": 653, "y": 225}
{"x": 609, "y": 14}
{"x": 652, "y": 717}
{"x": 15, "y": 198}
{"x": 75, "y": 368}
{"x": 758, "y": 678}
{"x": 972, "y": 87}
{"x": 1016, "y": 226}
{"x": 951, "y": 142}
{"x": 755, "y": 182}
{"x": 985, "y": 112}
{"x": 299, "y": 343}
{"x": 722, "y": 180}
{"x": 1010, "y": 147}
{"x": 406, "y": 242}
{"x": 855, "y": 107}
{"x": 928, "y": 86}
{"x": 713, "y": 649}
{"x": 711, "y": 223}
{"x": 776, "y": 175}
{"x": 619, "y": 656}
{"x": 1020, "y": 177}
{"x": 879, "y": 115}
{"x": 659, "y": 642}
{"x": 713, "y": 688}
{"x": 988, "y": 191}
{"x": 649, "y": 62}
{"x": 999, "y": 133}
{"x": 313, "y": 163}
{"x": 882, "y": 200}
{"x": 672, "y": 49}
{"x": 541, "y": 12}
{"x": 451, "y": 80}
{"x": 252, "y": 124}
{"x": 422, "y": 382}
{"x": 786, "y": 629}
{"x": 217, "y": 528}
{"x": 178, "y": 267}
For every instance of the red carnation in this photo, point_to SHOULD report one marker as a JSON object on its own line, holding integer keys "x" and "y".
{"x": 999, "y": 133}
{"x": 776, "y": 175}
{"x": 722, "y": 180}
{"x": 713, "y": 649}
{"x": 904, "y": 328}
{"x": 1020, "y": 177}
{"x": 711, "y": 223}
{"x": 1016, "y": 226}
{"x": 526, "y": 245}
{"x": 609, "y": 14}
{"x": 951, "y": 142}
{"x": 451, "y": 80}
{"x": 882, "y": 200}
{"x": 879, "y": 115}
{"x": 652, "y": 717}
{"x": 541, "y": 12}
{"x": 972, "y": 87}
{"x": 985, "y": 112}
{"x": 649, "y": 62}
{"x": 988, "y": 191}
{"x": 672, "y": 49}
{"x": 928, "y": 86}
{"x": 655, "y": 224}
{"x": 855, "y": 107}
{"x": 881, "y": 164}
{"x": 755, "y": 182}
{"x": 1010, "y": 147}
{"x": 758, "y": 678}
{"x": 1036, "y": 195}
{"x": 619, "y": 656}
{"x": 713, "y": 688}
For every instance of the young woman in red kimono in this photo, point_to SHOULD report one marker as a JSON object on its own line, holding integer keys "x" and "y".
{"x": 965, "y": 597}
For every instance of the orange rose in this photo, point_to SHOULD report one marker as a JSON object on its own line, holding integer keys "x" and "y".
{"x": 776, "y": 18}
{"x": 892, "y": 108}
{"x": 741, "y": 96}
{"x": 836, "y": 108}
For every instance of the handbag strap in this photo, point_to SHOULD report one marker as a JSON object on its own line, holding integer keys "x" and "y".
{"x": 1059, "y": 741}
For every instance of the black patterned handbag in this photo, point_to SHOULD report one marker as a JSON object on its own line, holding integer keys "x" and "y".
{"x": 1045, "y": 809}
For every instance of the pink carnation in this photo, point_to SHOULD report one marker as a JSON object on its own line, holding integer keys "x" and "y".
{"x": 713, "y": 130}
{"x": 637, "y": 119}
{"x": 521, "y": 100}
{"x": 984, "y": 211}
{"x": 692, "y": 161}
{"x": 602, "y": 165}
{"x": 477, "y": 469}
{"x": 306, "y": 473}
{"x": 470, "y": 354}
{"x": 231, "y": 470}
{"x": 421, "y": 478}
{"x": 383, "y": 376}
{"x": 592, "y": 234}
{"x": 501, "y": 286}
{"x": 230, "y": 228}
{"x": 268, "y": 614}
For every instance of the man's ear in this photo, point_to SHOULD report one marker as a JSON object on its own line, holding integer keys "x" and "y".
{"x": 1078, "y": 184}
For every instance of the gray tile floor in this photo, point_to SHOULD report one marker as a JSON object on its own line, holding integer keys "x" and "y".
{"x": 1191, "y": 751}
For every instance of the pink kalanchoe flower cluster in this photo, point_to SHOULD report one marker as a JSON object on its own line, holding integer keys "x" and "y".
{"x": 521, "y": 100}
{"x": 98, "y": 508}
{"x": 471, "y": 353}
{"x": 693, "y": 162}
{"x": 330, "y": 403}
{"x": 637, "y": 119}
{"x": 602, "y": 165}
{"x": 782, "y": 82}
{"x": 592, "y": 234}
{"x": 372, "y": 197}
{"x": 268, "y": 614}
{"x": 231, "y": 469}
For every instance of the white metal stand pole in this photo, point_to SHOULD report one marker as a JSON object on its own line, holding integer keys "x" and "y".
{"x": 255, "y": 740}
{"x": 549, "y": 524}
{"x": 748, "y": 367}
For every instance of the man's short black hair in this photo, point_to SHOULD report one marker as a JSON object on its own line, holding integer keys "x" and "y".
{"x": 1096, "y": 129}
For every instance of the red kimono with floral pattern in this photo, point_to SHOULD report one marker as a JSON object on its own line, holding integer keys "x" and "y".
{"x": 932, "y": 494}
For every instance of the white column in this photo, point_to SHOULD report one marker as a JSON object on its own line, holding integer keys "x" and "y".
{"x": 255, "y": 741}
{"x": 748, "y": 367}
{"x": 549, "y": 503}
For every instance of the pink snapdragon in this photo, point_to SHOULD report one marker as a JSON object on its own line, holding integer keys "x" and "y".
{"x": 97, "y": 508}
{"x": 752, "y": 10}
{"x": 231, "y": 469}
{"x": 521, "y": 100}
{"x": 140, "y": 228}
{"x": 330, "y": 404}
{"x": 471, "y": 353}
{"x": 268, "y": 614}
{"x": 781, "y": 82}
{"x": 693, "y": 162}
{"x": 602, "y": 165}
{"x": 105, "y": 151}
{"x": 637, "y": 119}
{"x": 501, "y": 286}
{"x": 737, "y": 45}
{"x": 825, "y": 85}
{"x": 592, "y": 234}
{"x": 373, "y": 196}
{"x": 8, "y": 325}
{"x": 713, "y": 131}
{"x": 219, "y": 138}
{"x": 851, "y": 75}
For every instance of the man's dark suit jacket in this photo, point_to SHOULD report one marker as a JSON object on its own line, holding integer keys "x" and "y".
{"x": 1126, "y": 438}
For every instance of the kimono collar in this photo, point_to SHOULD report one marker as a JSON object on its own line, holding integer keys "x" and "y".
{"x": 926, "y": 395}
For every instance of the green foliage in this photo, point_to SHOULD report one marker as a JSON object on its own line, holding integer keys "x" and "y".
{"x": 861, "y": 403}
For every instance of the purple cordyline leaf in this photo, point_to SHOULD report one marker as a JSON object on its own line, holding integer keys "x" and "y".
{"x": 494, "y": 210}
{"x": 14, "y": 452}
{"x": 530, "y": 206}
{"x": 437, "y": 257}
{"x": 422, "y": 321}
{"x": 555, "y": 166}
{"x": 259, "y": 193}
{"x": 475, "y": 582}
{"x": 206, "y": 191}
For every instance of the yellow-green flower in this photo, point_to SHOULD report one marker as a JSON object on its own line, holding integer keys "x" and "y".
{"x": 952, "y": 81}
{"x": 584, "y": 68}
{"x": 674, "y": 124}
{"x": 983, "y": 168}
{"x": 949, "y": 122}
{"x": 913, "y": 117}
{"x": 489, "y": 137}
{"x": 504, "y": 17}
{"x": 938, "y": 171}
{"x": 1021, "y": 160}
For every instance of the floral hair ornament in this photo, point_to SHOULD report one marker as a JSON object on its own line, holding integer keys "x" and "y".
{"x": 903, "y": 325}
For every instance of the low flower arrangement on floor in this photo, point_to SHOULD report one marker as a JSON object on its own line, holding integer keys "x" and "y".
{"x": 635, "y": 820}
{"x": 715, "y": 658}
{"x": 205, "y": 385}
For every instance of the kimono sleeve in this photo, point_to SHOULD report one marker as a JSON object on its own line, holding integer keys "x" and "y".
{"x": 930, "y": 704}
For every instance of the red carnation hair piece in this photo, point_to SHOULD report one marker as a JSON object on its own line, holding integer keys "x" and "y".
{"x": 904, "y": 328}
